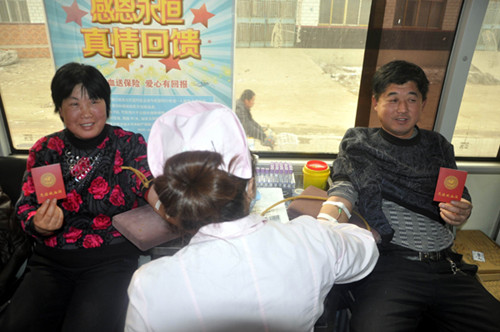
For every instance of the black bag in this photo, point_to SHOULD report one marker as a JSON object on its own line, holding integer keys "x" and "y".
{"x": 15, "y": 247}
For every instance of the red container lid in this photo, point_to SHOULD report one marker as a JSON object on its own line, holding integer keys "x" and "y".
{"x": 316, "y": 165}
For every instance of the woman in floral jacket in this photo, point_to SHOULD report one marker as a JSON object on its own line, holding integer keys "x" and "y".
{"x": 77, "y": 277}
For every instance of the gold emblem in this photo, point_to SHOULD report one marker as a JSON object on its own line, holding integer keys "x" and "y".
{"x": 47, "y": 180}
{"x": 450, "y": 182}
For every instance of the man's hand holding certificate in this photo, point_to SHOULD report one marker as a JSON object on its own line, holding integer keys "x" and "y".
{"x": 450, "y": 185}
{"x": 454, "y": 209}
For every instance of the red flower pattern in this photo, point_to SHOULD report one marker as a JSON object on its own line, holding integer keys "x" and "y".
{"x": 28, "y": 187}
{"x": 56, "y": 144}
{"x": 140, "y": 158}
{"x": 99, "y": 188}
{"x": 31, "y": 161}
{"x": 51, "y": 241}
{"x": 117, "y": 196}
{"x": 102, "y": 221}
{"x": 118, "y": 162}
{"x": 92, "y": 241}
{"x": 103, "y": 144}
{"x": 122, "y": 133}
{"x": 73, "y": 201}
{"x": 31, "y": 214}
{"x": 73, "y": 235}
{"x": 38, "y": 145}
{"x": 23, "y": 208}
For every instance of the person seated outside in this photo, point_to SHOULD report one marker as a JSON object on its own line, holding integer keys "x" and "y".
{"x": 252, "y": 128}
{"x": 389, "y": 174}
{"x": 239, "y": 272}
{"x": 77, "y": 277}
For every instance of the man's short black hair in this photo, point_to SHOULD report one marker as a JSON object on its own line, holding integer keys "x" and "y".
{"x": 399, "y": 72}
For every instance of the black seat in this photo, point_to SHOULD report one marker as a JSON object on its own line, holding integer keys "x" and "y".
{"x": 11, "y": 174}
{"x": 15, "y": 244}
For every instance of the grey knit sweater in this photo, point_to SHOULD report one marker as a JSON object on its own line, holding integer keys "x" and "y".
{"x": 404, "y": 171}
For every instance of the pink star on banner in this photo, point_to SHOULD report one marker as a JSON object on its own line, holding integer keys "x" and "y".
{"x": 74, "y": 13}
{"x": 170, "y": 63}
{"x": 202, "y": 15}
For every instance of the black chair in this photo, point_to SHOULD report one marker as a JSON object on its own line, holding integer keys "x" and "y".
{"x": 16, "y": 246}
{"x": 11, "y": 174}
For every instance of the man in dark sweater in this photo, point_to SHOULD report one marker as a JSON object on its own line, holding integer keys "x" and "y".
{"x": 389, "y": 175}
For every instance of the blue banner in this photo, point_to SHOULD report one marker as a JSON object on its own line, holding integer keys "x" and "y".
{"x": 155, "y": 54}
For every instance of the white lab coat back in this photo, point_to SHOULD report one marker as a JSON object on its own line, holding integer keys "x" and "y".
{"x": 249, "y": 275}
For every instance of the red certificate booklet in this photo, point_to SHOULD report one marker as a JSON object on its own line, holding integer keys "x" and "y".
{"x": 450, "y": 185}
{"x": 48, "y": 182}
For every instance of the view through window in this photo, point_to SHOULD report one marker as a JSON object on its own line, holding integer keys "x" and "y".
{"x": 306, "y": 85}
{"x": 304, "y": 59}
{"x": 26, "y": 69}
{"x": 476, "y": 133}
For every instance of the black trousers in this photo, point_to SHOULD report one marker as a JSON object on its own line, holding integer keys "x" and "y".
{"x": 400, "y": 293}
{"x": 72, "y": 290}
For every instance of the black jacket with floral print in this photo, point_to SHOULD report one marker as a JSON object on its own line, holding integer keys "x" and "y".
{"x": 96, "y": 186}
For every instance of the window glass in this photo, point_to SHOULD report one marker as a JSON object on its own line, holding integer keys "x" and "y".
{"x": 476, "y": 133}
{"x": 4, "y": 14}
{"x": 306, "y": 89}
{"x": 352, "y": 14}
{"x": 410, "y": 13}
{"x": 436, "y": 14}
{"x": 14, "y": 11}
{"x": 26, "y": 70}
{"x": 348, "y": 12}
{"x": 423, "y": 14}
{"x": 325, "y": 9}
{"x": 338, "y": 12}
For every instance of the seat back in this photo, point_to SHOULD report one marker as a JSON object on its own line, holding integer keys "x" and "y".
{"x": 11, "y": 174}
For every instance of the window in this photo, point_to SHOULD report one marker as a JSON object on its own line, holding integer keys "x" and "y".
{"x": 26, "y": 69}
{"x": 476, "y": 132}
{"x": 14, "y": 11}
{"x": 419, "y": 13}
{"x": 344, "y": 12}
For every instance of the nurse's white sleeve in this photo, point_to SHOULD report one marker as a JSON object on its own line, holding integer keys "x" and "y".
{"x": 136, "y": 320}
{"x": 353, "y": 249}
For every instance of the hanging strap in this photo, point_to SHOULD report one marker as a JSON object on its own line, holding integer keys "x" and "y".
{"x": 140, "y": 175}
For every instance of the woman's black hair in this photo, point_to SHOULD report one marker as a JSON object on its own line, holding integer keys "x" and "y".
{"x": 247, "y": 95}
{"x": 72, "y": 74}
{"x": 196, "y": 192}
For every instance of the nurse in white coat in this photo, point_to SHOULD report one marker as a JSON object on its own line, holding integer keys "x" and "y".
{"x": 239, "y": 272}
